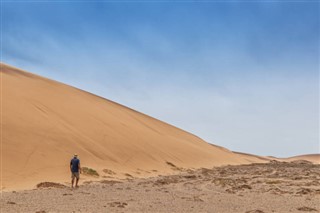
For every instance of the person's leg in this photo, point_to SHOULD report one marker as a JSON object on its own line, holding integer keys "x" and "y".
{"x": 72, "y": 180}
{"x": 76, "y": 175}
{"x": 77, "y": 180}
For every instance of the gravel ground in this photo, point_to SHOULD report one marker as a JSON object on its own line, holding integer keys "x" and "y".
{"x": 255, "y": 188}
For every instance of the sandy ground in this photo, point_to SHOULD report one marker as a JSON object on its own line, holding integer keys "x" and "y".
{"x": 256, "y": 188}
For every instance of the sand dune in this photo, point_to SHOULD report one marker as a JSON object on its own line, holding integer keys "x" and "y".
{"x": 314, "y": 158}
{"x": 45, "y": 122}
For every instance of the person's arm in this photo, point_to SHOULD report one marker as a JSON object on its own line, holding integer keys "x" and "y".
{"x": 70, "y": 165}
{"x": 79, "y": 167}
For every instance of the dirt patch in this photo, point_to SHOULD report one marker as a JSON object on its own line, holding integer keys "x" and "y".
{"x": 110, "y": 182}
{"x": 10, "y": 202}
{"x": 190, "y": 177}
{"x": 301, "y": 162}
{"x": 307, "y": 209}
{"x": 109, "y": 172}
{"x": 166, "y": 181}
{"x": 255, "y": 211}
{"x": 118, "y": 204}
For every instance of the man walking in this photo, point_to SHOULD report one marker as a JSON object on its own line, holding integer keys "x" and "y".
{"x": 75, "y": 170}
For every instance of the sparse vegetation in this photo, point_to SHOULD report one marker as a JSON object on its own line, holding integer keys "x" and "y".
{"x": 50, "y": 184}
{"x": 90, "y": 172}
{"x": 128, "y": 175}
{"x": 174, "y": 167}
{"x": 171, "y": 164}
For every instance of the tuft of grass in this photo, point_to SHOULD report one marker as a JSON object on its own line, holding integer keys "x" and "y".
{"x": 89, "y": 171}
{"x": 174, "y": 167}
{"x": 171, "y": 164}
{"x": 128, "y": 175}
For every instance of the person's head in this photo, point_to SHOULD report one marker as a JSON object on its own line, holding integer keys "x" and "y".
{"x": 75, "y": 155}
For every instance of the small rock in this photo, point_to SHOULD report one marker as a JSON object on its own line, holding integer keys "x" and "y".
{"x": 10, "y": 202}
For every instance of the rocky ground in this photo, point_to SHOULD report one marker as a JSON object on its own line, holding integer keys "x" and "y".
{"x": 256, "y": 188}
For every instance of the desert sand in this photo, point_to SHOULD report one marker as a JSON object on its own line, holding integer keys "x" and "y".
{"x": 134, "y": 163}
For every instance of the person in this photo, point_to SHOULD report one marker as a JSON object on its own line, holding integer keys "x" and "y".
{"x": 75, "y": 170}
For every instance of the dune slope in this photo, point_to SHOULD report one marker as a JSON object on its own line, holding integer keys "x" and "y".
{"x": 44, "y": 122}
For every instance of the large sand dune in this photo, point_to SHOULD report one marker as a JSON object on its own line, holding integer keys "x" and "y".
{"x": 45, "y": 122}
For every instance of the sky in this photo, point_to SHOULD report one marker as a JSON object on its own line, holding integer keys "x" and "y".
{"x": 240, "y": 74}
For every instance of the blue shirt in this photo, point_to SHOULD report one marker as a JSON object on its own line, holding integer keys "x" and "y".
{"x": 74, "y": 163}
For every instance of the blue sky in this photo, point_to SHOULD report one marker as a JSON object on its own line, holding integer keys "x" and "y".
{"x": 240, "y": 74}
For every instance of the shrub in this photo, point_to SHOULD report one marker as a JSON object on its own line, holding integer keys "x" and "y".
{"x": 90, "y": 172}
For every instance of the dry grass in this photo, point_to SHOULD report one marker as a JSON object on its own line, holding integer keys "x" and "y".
{"x": 50, "y": 185}
{"x": 89, "y": 172}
